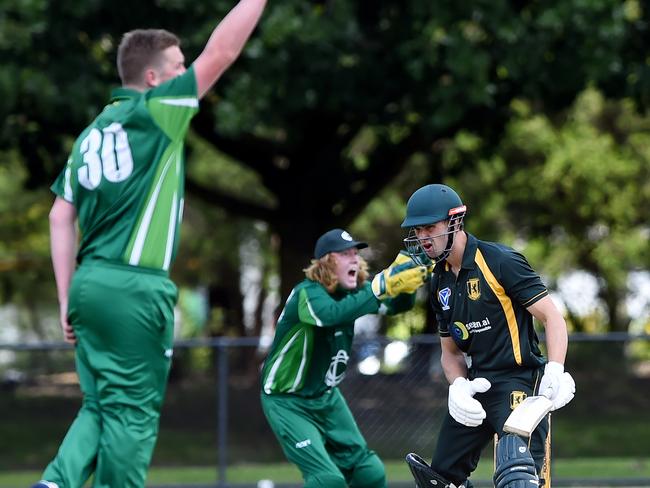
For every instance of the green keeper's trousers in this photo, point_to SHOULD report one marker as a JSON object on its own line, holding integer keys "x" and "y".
{"x": 320, "y": 436}
{"x": 123, "y": 319}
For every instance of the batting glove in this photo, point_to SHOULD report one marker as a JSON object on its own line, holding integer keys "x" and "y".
{"x": 462, "y": 406}
{"x": 557, "y": 385}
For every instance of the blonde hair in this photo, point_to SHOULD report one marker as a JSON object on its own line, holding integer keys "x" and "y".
{"x": 323, "y": 271}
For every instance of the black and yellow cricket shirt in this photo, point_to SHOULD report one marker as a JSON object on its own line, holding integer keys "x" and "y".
{"x": 484, "y": 308}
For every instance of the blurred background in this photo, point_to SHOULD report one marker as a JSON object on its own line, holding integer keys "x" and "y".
{"x": 535, "y": 112}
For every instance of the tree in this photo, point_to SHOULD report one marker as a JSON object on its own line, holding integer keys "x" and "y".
{"x": 574, "y": 193}
{"x": 331, "y": 100}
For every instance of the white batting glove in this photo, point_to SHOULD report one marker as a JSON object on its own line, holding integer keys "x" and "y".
{"x": 462, "y": 406}
{"x": 557, "y": 385}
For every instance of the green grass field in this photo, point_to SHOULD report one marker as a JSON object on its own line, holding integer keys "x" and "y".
{"x": 595, "y": 468}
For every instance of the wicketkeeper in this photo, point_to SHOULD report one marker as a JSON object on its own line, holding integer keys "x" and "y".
{"x": 309, "y": 356}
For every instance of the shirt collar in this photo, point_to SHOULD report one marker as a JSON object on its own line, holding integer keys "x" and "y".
{"x": 468, "y": 254}
{"x": 122, "y": 93}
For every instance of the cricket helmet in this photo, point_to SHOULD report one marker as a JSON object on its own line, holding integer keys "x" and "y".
{"x": 428, "y": 205}
{"x": 431, "y": 204}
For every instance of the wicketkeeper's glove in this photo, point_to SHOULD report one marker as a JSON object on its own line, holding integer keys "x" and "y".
{"x": 401, "y": 278}
{"x": 404, "y": 257}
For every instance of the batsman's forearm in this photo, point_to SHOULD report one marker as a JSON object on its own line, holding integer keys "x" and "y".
{"x": 557, "y": 341}
{"x": 555, "y": 328}
{"x": 452, "y": 360}
{"x": 63, "y": 245}
{"x": 454, "y": 369}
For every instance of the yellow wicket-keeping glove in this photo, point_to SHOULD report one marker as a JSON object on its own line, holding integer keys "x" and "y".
{"x": 403, "y": 257}
{"x": 402, "y": 278}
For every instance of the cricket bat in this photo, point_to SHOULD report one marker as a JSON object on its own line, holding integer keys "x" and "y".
{"x": 527, "y": 415}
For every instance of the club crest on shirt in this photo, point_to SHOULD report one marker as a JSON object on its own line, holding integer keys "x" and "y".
{"x": 443, "y": 297}
{"x": 473, "y": 289}
{"x": 516, "y": 397}
{"x": 336, "y": 371}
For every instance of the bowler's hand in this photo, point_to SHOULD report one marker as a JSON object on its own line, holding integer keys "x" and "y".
{"x": 68, "y": 331}
{"x": 462, "y": 405}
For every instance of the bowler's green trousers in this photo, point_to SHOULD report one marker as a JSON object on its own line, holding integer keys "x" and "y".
{"x": 320, "y": 436}
{"x": 123, "y": 318}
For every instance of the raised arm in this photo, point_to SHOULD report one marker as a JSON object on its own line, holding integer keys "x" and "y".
{"x": 226, "y": 43}
{"x": 63, "y": 244}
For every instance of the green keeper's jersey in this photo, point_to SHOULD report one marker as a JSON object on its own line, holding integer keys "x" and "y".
{"x": 484, "y": 309}
{"x": 313, "y": 337}
{"x": 125, "y": 175}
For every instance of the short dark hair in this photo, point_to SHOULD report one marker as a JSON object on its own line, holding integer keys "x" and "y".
{"x": 139, "y": 49}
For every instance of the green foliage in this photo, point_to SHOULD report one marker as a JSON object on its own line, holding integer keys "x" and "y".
{"x": 25, "y": 276}
{"x": 341, "y": 106}
{"x": 409, "y": 323}
{"x": 572, "y": 193}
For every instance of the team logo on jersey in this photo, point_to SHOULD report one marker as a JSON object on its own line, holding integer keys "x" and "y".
{"x": 443, "y": 297}
{"x": 473, "y": 289}
{"x": 336, "y": 371}
{"x": 516, "y": 397}
{"x": 459, "y": 331}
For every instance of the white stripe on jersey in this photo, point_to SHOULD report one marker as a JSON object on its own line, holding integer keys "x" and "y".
{"x": 278, "y": 362}
{"x": 181, "y": 102}
{"x": 138, "y": 246}
{"x": 303, "y": 361}
{"x": 171, "y": 230}
{"x": 68, "y": 196}
{"x": 319, "y": 323}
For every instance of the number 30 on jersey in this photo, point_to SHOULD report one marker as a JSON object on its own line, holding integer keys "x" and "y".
{"x": 105, "y": 152}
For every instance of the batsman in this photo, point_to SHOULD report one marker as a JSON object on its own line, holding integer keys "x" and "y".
{"x": 485, "y": 296}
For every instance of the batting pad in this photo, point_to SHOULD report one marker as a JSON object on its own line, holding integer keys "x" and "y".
{"x": 515, "y": 467}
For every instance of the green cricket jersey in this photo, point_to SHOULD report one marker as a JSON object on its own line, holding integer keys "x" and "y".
{"x": 484, "y": 309}
{"x": 125, "y": 175}
{"x": 313, "y": 337}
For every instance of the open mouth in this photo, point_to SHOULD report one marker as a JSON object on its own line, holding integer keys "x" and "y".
{"x": 427, "y": 246}
{"x": 352, "y": 273}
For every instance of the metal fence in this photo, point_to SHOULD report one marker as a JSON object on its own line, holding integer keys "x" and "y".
{"x": 396, "y": 391}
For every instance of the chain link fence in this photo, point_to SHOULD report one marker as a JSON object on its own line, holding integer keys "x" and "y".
{"x": 396, "y": 390}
